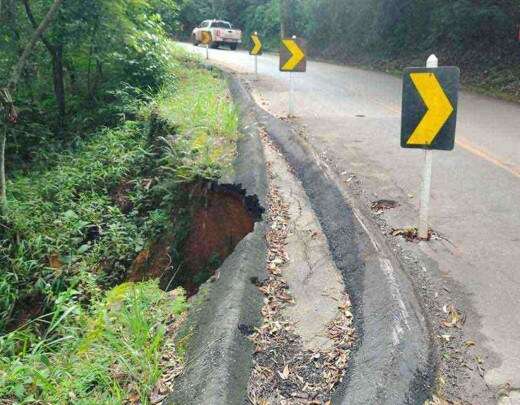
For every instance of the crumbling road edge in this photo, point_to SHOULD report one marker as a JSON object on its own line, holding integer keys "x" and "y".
{"x": 218, "y": 359}
{"x": 393, "y": 362}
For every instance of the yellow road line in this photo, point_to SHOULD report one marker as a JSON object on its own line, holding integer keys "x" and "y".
{"x": 469, "y": 147}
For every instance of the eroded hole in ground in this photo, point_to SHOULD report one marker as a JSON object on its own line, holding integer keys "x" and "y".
{"x": 381, "y": 205}
{"x": 411, "y": 234}
{"x": 215, "y": 219}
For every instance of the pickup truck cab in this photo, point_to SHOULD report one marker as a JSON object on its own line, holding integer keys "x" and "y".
{"x": 222, "y": 33}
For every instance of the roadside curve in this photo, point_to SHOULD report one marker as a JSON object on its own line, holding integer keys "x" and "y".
{"x": 393, "y": 361}
{"x": 218, "y": 358}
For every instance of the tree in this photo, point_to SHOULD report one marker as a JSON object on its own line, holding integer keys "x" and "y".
{"x": 56, "y": 55}
{"x": 9, "y": 110}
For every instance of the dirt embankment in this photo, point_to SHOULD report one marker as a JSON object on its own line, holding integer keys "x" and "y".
{"x": 207, "y": 222}
{"x": 219, "y": 217}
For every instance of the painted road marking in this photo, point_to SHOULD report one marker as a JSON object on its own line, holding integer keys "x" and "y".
{"x": 462, "y": 142}
{"x": 465, "y": 144}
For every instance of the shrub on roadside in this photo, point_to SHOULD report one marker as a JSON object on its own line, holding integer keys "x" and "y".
{"x": 105, "y": 355}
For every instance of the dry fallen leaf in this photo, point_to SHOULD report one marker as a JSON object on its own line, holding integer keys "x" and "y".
{"x": 469, "y": 343}
{"x": 285, "y": 373}
{"x": 446, "y": 338}
{"x": 436, "y": 401}
{"x": 454, "y": 319}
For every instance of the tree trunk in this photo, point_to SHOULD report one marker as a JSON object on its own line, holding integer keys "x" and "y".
{"x": 95, "y": 82}
{"x": 3, "y": 188}
{"x": 15, "y": 75}
{"x": 59, "y": 84}
{"x": 71, "y": 70}
{"x": 58, "y": 76}
{"x": 10, "y": 115}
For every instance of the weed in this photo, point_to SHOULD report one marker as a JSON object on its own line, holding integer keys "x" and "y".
{"x": 199, "y": 106}
{"x": 104, "y": 356}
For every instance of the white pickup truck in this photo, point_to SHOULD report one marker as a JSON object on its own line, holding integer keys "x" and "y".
{"x": 222, "y": 33}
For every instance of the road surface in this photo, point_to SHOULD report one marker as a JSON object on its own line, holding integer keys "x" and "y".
{"x": 352, "y": 116}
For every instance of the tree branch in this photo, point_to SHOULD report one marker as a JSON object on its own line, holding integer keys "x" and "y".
{"x": 15, "y": 75}
{"x": 34, "y": 24}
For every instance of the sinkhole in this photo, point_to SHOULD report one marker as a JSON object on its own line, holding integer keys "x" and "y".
{"x": 206, "y": 230}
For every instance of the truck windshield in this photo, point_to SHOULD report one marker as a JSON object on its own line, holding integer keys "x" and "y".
{"x": 221, "y": 24}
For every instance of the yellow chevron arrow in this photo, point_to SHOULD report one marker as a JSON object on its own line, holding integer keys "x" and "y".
{"x": 297, "y": 54}
{"x": 206, "y": 37}
{"x": 439, "y": 109}
{"x": 257, "y": 45}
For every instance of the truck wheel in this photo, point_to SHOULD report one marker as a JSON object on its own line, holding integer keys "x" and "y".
{"x": 233, "y": 47}
{"x": 214, "y": 45}
{"x": 194, "y": 40}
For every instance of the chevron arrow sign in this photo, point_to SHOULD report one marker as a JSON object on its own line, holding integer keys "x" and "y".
{"x": 293, "y": 55}
{"x": 429, "y": 113}
{"x": 257, "y": 47}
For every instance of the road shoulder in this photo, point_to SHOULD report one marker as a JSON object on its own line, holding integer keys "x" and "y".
{"x": 393, "y": 360}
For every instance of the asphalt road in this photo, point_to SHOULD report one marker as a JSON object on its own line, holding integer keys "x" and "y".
{"x": 353, "y": 117}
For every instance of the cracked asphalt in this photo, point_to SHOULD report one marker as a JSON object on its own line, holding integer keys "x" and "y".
{"x": 352, "y": 118}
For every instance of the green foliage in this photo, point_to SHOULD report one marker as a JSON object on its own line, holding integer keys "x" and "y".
{"x": 68, "y": 239}
{"x": 206, "y": 123}
{"x": 63, "y": 221}
{"x": 383, "y": 28}
{"x": 68, "y": 236}
{"x": 105, "y": 355}
{"x": 92, "y": 48}
{"x": 66, "y": 229}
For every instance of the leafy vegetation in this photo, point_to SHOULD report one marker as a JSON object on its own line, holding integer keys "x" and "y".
{"x": 481, "y": 36}
{"x": 104, "y": 356}
{"x": 201, "y": 111}
{"x": 68, "y": 239}
{"x": 90, "y": 185}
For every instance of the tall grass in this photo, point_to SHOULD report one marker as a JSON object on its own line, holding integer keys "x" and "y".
{"x": 199, "y": 107}
{"x": 105, "y": 356}
{"x": 68, "y": 241}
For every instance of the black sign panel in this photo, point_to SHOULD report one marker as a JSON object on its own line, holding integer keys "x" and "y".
{"x": 429, "y": 113}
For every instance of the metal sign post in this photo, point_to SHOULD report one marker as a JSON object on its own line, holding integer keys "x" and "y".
{"x": 432, "y": 62}
{"x": 429, "y": 118}
{"x": 256, "y": 49}
{"x": 292, "y": 59}
{"x": 291, "y": 95}
{"x": 206, "y": 39}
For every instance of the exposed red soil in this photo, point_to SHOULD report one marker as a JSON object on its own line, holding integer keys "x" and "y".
{"x": 217, "y": 227}
{"x": 153, "y": 261}
{"x": 220, "y": 219}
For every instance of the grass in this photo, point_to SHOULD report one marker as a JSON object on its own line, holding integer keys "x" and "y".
{"x": 49, "y": 242}
{"x": 67, "y": 245}
{"x": 199, "y": 107}
{"x": 104, "y": 357}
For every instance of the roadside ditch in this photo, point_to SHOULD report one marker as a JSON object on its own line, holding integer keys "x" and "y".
{"x": 392, "y": 361}
{"x": 273, "y": 324}
{"x": 246, "y": 337}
